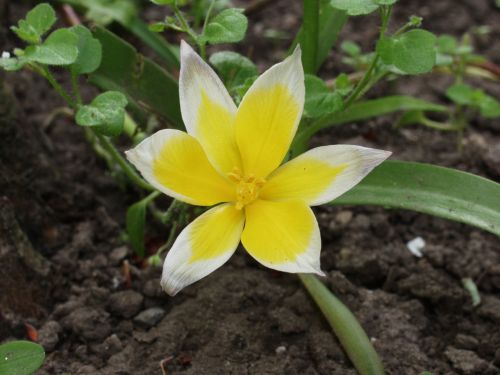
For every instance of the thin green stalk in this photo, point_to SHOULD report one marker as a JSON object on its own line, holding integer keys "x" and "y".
{"x": 310, "y": 29}
{"x": 125, "y": 166}
{"x": 44, "y": 70}
{"x": 76, "y": 88}
{"x": 346, "y": 327}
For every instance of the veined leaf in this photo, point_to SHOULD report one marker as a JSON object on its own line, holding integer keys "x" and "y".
{"x": 229, "y": 26}
{"x": 438, "y": 191}
{"x": 60, "y": 48}
{"x": 20, "y": 357}
{"x": 145, "y": 84}
{"x": 89, "y": 51}
{"x": 320, "y": 100}
{"x": 365, "y": 110}
{"x": 233, "y": 68}
{"x": 38, "y": 21}
{"x": 331, "y": 22}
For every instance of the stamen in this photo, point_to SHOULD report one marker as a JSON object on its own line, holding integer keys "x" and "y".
{"x": 247, "y": 187}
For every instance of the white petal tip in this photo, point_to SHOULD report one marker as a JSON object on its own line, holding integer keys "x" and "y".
{"x": 170, "y": 287}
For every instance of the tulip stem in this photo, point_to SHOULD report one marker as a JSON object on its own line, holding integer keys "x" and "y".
{"x": 311, "y": 31}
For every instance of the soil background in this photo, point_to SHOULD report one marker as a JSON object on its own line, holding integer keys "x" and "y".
{"x": 58, "y": 200}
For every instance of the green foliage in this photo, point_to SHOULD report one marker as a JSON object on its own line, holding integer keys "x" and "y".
{"x": 89, "y": 51}
{"x": 38, "y": 21}
{"x": 135, "y": 222}
{"x": 320, "y": 99}
{"x": 463, "y": 94}
{"x": 235, "y": 70}
{"x": 360, "y": 7}
{"x": 106, "y": 113}
{"x": 438, "y": 191}
{"x": 343, "y": 85}
{"x": 20, "y": 357}
{"x": 412, "y": 52}
{"x": 163, "y": 2}
{"x": 103, "y": 12}
{"x": 11, "y": 64}
{"x": 229, "y": 26}
{"x": 60, "y": 48}
{"x": 145, "y": 83}
{"x": 351, "y": 335}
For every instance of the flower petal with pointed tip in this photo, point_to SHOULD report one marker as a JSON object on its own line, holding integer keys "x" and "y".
{"x": 175, "y": 163}
{"x": 202, "y": 247}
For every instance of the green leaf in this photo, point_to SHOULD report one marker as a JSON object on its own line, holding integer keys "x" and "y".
{"x": 103, "y": 12}
{"x": 149, "y": 88}
{"x": 351, "y": 335}
{"x": 20, "y": 357}
{"x": 365, "y": 110}
{"x": 135, "y": 223}
{"x": 412, "y": 52}
{"x": 320, "y": 100}
{"x": 233, "y": 68}
{"x": 489, "y": 107}
{"x": 106, "y": 113}
{"x": 163, "y": 2}
{"x": 461, "y": 93}
{"x": 351, "y": 48}
{"x": 438, "y": 191}
{"x": 464, "y": 94}
{"x": 38, "y": 21}
{"x": 60, "y": 48}
{"x": 11, "y": 64}
{"x": 447, "y": 44}
{"x": 343, "y": 85}
{"x": 355, "y": 7}
{"x": 229, "y": 26}
{"x": 89, "y": 51}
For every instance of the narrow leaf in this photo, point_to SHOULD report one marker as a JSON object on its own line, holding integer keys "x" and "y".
{"x": 135, "y": 223}
{"x": 346, "y": 327}
{"x": 145, "y": 84}
{"x": 20, "y": 357}
{"x": 438, "y": 191}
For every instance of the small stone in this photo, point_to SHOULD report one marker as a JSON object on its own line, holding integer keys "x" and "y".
{"x": 466, "y": 361}
{"x": 152, "y": 288}
{"x": 48, "y": 335}
{"x": 280, "y": 349}
{"x": 117, "y": 255}
{"x": 100, "y": 261}
{"x": 87, "y": 369}
{"x": 466, "y": 341}
{"x": 112, "y": 345}
{"x": 490, "y": 308}
{"x": 492, "y": 160}
{"x": 150, "y": 317}
{"x": 126, "y": 303}
{"x": 416, "y": 246}
{"x": 343, "y": 217}
{"x": 361, "y": 222}
{"x": 90, "y": 323}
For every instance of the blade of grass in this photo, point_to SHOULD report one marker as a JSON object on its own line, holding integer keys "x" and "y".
{"x": 438, "y": 191}
{"x": 346, "y": 327}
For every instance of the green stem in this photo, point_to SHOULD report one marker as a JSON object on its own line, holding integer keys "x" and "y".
{"x": 53, "y": 82}
{"x": 346, "y": 327}
{"x": 76, "y": 88}
{"x": 127, "y": 169}
{"x": 311, "y": 31}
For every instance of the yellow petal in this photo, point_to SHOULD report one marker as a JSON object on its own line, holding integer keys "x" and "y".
{"x": 268, "y": 116}
{"x": 283, "y": 236}
{"x": 322, "y": 174}
{"x": 174, "y": 163}
{"x": 208, "y": 111}
{"x": 202, "y": 247}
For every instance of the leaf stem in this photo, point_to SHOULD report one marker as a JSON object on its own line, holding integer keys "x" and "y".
{"x": 44, "y": 70}
{"x": 346, "y": 327}
{"x": 311, "y": 31}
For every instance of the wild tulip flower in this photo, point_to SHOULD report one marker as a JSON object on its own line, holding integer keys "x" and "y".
{"x": 230, "y": 158}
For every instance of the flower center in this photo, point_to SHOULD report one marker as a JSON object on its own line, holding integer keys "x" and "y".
{"x": 247, "y": 187}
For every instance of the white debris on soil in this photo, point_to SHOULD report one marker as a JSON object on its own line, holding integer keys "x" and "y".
{"x": 280, "y": 349}
{"x": 5, "y": 55}
{"x": 415, "y": 246}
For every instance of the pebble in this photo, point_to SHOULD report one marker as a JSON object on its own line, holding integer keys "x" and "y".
{"x": 125, "y": 303}
{"x": 490, "y": 308}
{"x": 280, "y": 349}
{"x": 152, "y": 288}
{"x": 466, "y": 341}
{"x": 492, "y": 160}
{"x": 48, "y": 335}
{"x": 150, "y": 317}
{"x": 466, "y": 361}
{"x": 117, "y": 255}
{"x": 112, "y": 345}
{"x": 90, "y": 323}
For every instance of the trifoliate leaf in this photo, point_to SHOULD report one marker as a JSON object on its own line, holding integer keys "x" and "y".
{"x": 320, "y": 100}
{"x": 229, "y": 26}
{"x": 60, "y": 48}
{"x": 412, "y": 52}
{"x": 106, "y": 113}
{"x": 21, "y": 357}
{"x": 11, "y": 64}
{"x": 355, "y": 7}
{"x": 233, "y": 68}
{"x": 343, "y": 85}
{"x": 38, "y": 21}
{"x": 89, "y": 51}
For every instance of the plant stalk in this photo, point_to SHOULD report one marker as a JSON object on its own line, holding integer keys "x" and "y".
{"x": 311, "y": 31}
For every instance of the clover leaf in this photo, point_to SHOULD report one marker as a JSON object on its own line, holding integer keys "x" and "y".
{"x": 106, "y": 113}
{"x": 60, "y": 48}
{"x": 89, "y": 51}
{"x": 229, "y": 26}
{"x": 38, "y": 21}
{"x": 320, "y": 100}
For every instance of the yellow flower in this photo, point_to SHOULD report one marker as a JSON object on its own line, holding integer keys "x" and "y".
{"x": 230, "y": 157}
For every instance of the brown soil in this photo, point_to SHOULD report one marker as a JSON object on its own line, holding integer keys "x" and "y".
{"x": 244, "y": 319}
